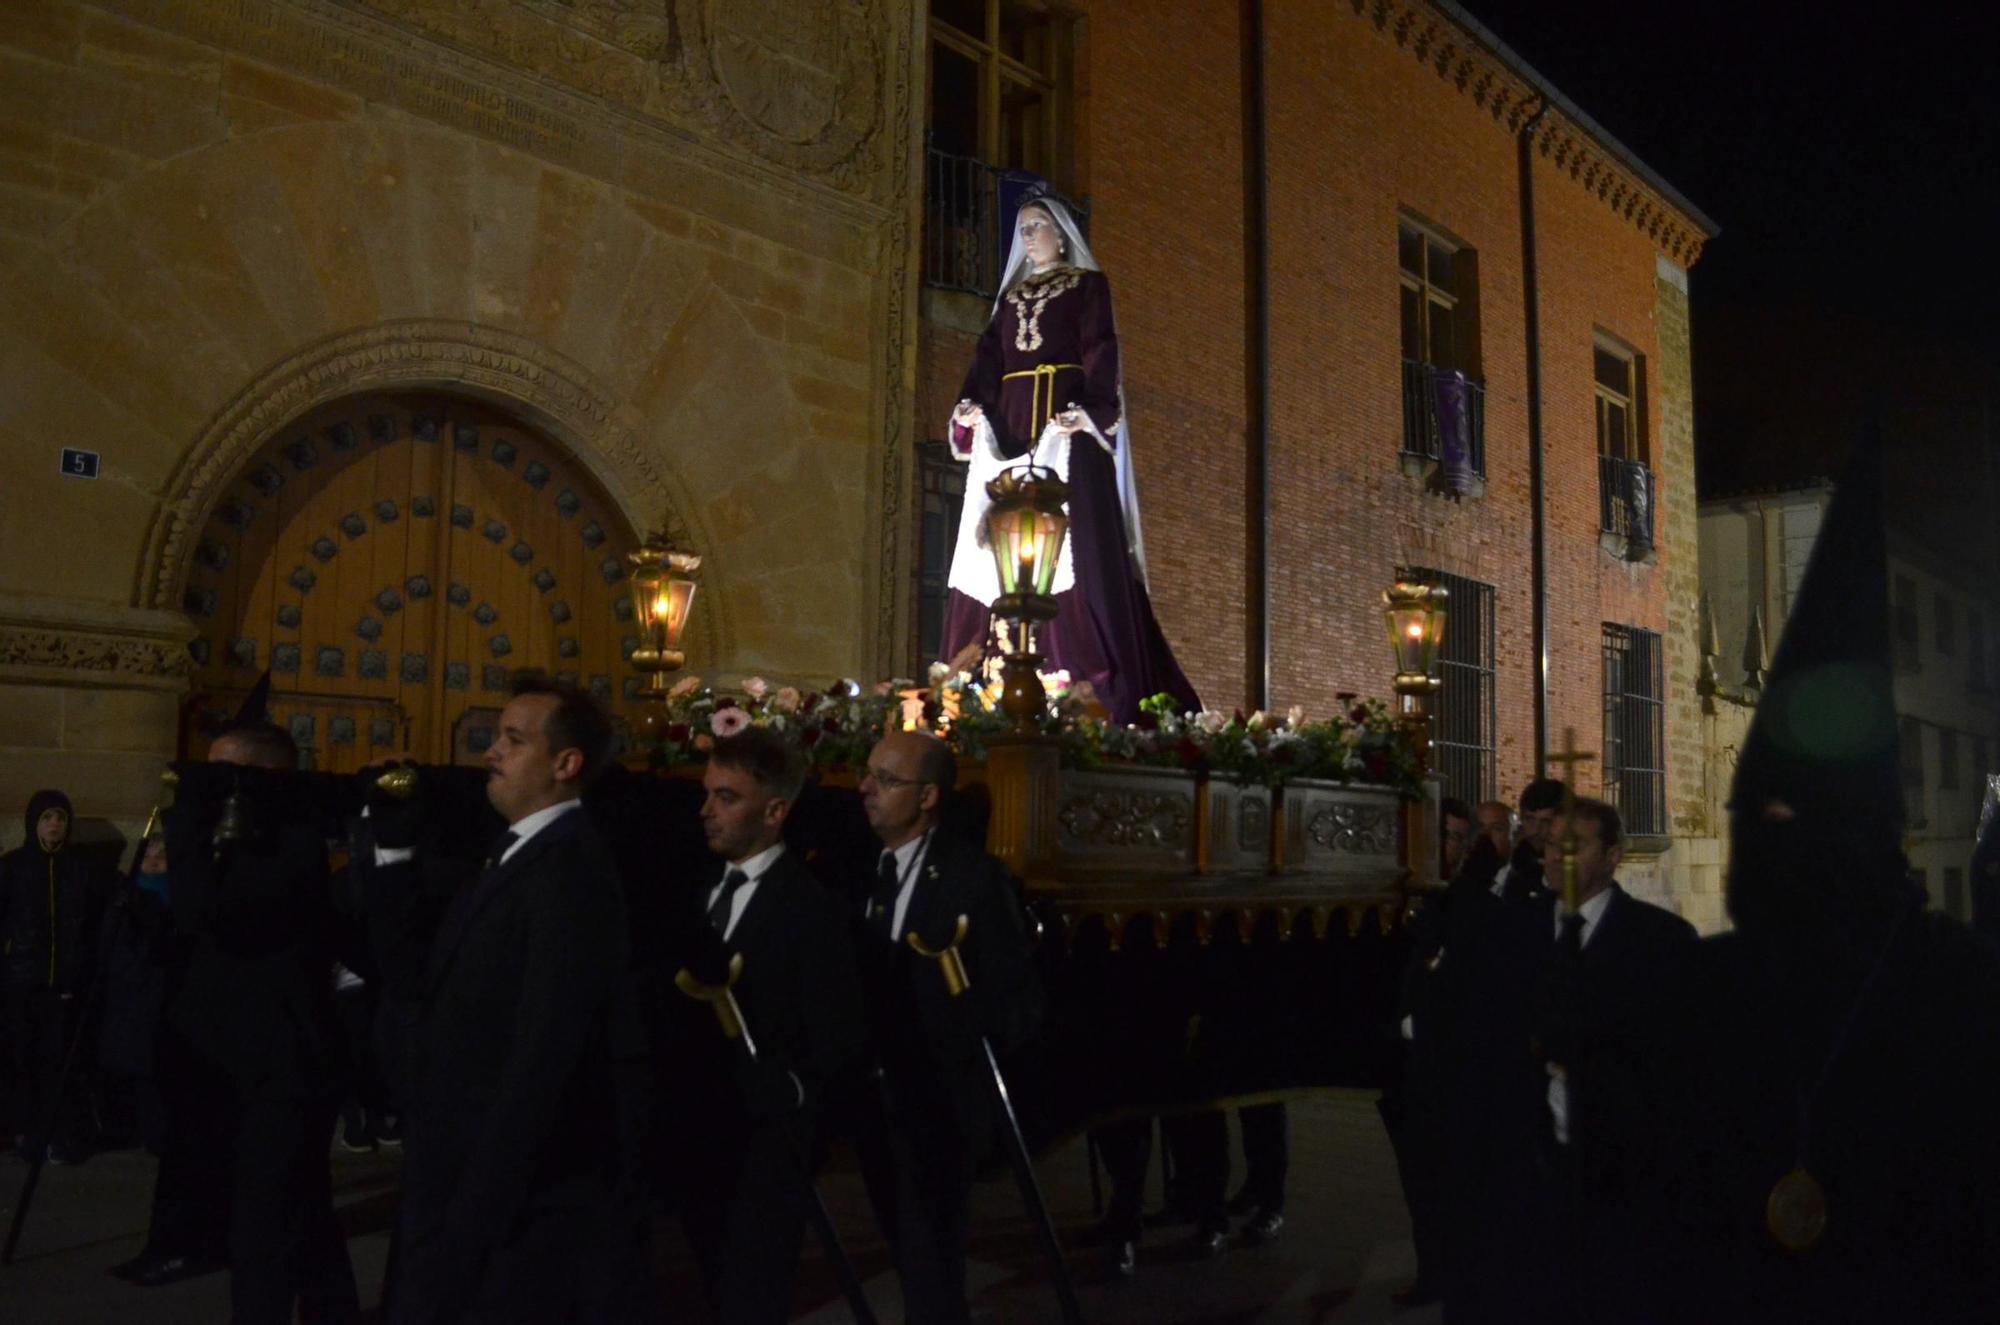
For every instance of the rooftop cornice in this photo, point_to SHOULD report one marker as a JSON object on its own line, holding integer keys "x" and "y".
{"x": 1462, "y": 52}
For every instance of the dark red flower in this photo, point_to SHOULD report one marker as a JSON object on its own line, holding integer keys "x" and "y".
{"x": 1189, "y": 752}
{"x": 1147, "y": 722}
{"x": 830, "y": 725}
{"x": 1281, "y": 754}
{"x": 808, "y": 738}
{"x": 724, "y": 703}
{"x": 1240, "y": 719}
{"x": 678, "y": 732}
{"x": 1357, "y": 714}
{"x": 1376, "y": 763}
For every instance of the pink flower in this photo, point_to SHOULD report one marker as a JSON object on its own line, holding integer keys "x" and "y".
{"x": 684, "y": 687}
{"x": 756, "y": 687}
{"x": 786, "y": 700}
{"x": 725, "y": 723}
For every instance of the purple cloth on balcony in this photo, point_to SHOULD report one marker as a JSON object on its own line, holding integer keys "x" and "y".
{"x": 1638, "y": 509}
{"x": 1451, "y": 397}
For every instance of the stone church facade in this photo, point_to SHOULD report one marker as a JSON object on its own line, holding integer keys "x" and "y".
{"x": 394, "y": 325}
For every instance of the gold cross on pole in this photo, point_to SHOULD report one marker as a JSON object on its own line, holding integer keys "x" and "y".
{"x": 1569, "y": 759}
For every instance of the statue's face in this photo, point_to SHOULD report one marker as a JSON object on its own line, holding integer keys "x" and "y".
{"x": 1040, "y": 236}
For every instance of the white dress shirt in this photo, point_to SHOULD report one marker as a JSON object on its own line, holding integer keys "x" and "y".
{"x": 754, "y": 868}
{"x": 1592, "y": 911}
{"x": 522, "y": 831}
{"x": 909, "y": 859}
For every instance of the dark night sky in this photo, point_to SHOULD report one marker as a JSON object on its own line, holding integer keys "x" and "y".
{"x": 1846, "y": 153}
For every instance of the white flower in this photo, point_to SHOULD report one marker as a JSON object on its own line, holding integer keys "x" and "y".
{"x": 1295, "y": 716}
{"x": 939, "y": 672}
{"x": 684, "y": 687}
{"x": 756, "y": 687}
{"x": 1210, "y": 721}
{"x": 1258, "y": 720}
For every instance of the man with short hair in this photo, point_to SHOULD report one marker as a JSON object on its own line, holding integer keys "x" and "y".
{"x": 1520, "y": 879}
{"x": 1455, "y": 836}
{"x": 509, "y": 1208}
{"x": 747, "y": 1152}
{"x": 937, "y": 1117}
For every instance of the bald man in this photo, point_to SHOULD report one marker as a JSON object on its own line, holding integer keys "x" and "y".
{"x": 937, "y": 1118}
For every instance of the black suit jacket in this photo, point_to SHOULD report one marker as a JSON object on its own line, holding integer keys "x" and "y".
{"x": 252, "y": 985}
{"x": 511, "y": 1016}
{"x": 927, "y": 1041}
{"x": 1626, "y": 1001}
{"x": 800, "y": 998}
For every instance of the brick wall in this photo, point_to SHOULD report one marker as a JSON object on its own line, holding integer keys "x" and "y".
{"x": 1359, "y": 131}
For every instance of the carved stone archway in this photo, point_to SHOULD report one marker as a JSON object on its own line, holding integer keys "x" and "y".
{"x": 552, "y": 392}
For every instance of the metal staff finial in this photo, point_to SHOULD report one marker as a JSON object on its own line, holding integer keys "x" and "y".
{"x": 722, "y": 999}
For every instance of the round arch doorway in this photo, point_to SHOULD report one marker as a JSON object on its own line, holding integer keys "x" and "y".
{"x": 394, "y": 561}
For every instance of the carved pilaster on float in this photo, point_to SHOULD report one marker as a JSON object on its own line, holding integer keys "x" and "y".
{"x": 1021, "y": 778}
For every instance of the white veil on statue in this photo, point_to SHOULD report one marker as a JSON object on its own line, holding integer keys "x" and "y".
{"x": 972, "y": 565}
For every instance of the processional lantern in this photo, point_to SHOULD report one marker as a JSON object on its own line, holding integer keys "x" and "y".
{"x": 1025, "y": 527}
{"x": 1415, "y": 614}
{"x": 663, "y": 588}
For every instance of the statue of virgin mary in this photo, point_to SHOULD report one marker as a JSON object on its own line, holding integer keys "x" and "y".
{"x": 1044, "y": 389}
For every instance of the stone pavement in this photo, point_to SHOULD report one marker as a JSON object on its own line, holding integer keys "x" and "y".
{"x": 1345, "y": 1247}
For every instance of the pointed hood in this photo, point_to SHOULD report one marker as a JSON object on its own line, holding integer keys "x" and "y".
{"x": 256, "y": 708}
{"x": 1823, "y": 744}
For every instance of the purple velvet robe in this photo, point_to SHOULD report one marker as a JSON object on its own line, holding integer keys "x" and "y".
{"x": 1104, "y": 631}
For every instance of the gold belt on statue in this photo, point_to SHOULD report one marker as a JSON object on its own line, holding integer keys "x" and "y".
{"x": 1045, "y": 388}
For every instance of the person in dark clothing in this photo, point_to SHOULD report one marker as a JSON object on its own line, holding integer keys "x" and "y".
{"x": 134, "y": 954}
{"x": 250, "y": 1022}
{"x": 746, "y": 1152}
{"x": 1839, "y": 1160}
{"x": 1609, "y": 982}
{"x": 51, "y": 900}
{"x": 511, "y": 985}
{"x": 936, "y": 1118}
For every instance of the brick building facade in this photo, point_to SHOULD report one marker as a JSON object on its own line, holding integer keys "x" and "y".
{"x": 1382, "y": 122}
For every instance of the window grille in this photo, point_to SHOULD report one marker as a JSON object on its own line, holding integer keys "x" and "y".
{"x": 1463, "y": 743}
{"x": 1635, "y": 771}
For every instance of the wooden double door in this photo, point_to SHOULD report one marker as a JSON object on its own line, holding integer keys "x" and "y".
{"x": 394, "y": 561}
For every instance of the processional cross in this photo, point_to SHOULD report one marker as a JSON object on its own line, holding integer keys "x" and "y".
{"x": 1569, "y": 759}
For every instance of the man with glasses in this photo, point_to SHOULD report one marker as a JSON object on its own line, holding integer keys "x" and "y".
{"x": 936, "y": 1118}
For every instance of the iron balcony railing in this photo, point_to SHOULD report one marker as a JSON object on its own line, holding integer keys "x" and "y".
{"x": 1625, "y": 503}
{"x": 965, "y": 236}
{"x": 1422, "y": 433}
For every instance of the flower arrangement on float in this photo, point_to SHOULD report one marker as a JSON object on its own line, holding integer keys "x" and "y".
{"x": 837, "y": 725}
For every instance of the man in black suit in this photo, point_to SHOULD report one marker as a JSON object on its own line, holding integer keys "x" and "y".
{"x": 251, "y": 1025}
{"x": 1615, "y": 975}
{"x": 747, "y": 1149}
{"x": 1580, "y": 1006}
{"x": 511, "y": 992}
{"x": 937, "y": 1117}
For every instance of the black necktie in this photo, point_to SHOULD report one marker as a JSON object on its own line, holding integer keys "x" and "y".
{"x": 499, "y": 848}
{"x": 1570, "y": 937}
{"x": 718, "y": 914}
{"x": 888, "y": 883}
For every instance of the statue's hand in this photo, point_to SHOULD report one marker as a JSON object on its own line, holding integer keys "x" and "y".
{"x": 967, "y": 415}
{"x": 1071, "y": 421}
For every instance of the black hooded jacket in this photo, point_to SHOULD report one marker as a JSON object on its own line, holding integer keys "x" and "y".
{"x": 49, "y": 907}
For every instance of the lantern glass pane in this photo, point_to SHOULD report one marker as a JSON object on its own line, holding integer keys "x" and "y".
{"x": 679, "y": 599}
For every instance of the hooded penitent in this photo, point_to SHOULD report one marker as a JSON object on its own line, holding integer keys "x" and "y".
{"x": 1816, "y": 811}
